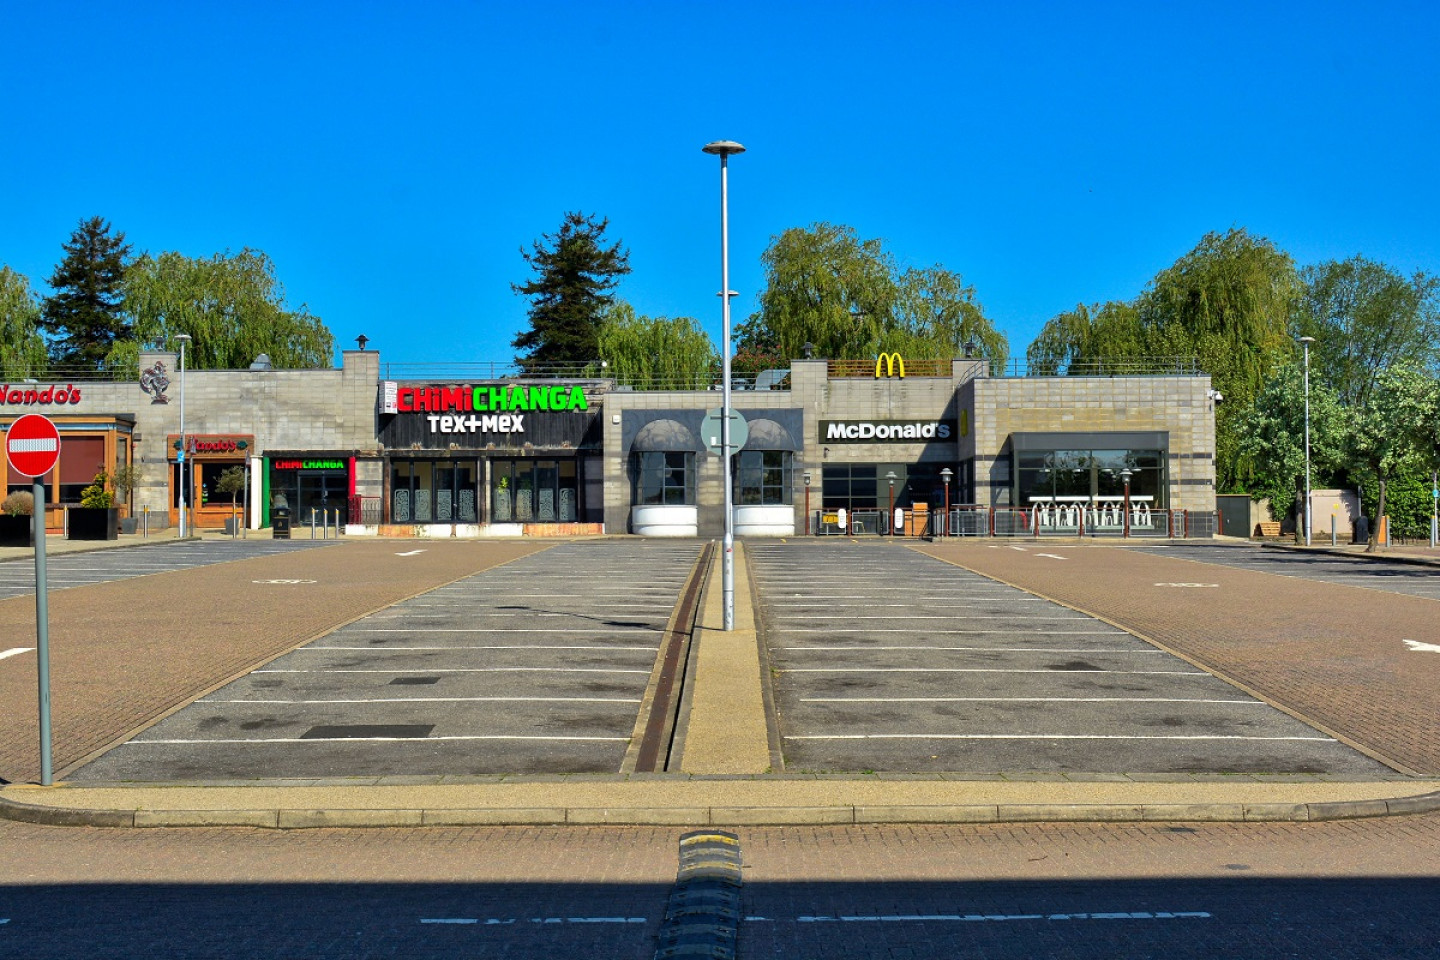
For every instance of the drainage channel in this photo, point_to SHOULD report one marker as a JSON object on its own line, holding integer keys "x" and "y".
{"x": 658, "y": 738}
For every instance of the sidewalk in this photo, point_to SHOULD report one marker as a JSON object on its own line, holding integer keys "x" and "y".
{"x": 56, "y": 544}
{"x": 724, "y": 783}
{"x": 1414, "y": 553}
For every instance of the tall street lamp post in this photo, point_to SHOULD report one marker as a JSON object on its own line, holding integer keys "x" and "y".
{"x": 946, "y": 474}
{"x": 1305, "y": 342}
{"x": 890, "y": 519}
{"x": 1125, "y": 476}
{"x": 184, "y": 338}
{"x": 723, "y": 149}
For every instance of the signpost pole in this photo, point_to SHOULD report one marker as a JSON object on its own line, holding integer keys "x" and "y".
{"x": 42, "y": 632}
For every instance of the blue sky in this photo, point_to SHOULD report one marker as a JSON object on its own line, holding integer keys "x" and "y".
{"x": 393, "y": 158}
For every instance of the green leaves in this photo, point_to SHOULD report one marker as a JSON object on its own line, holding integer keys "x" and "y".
{"x": 83, "y": 318}
{"x": 656, "y": 352}
{"x": 850, "y": 300}
{"x": 22, "y": 349}
{"x": 231, "y": 304}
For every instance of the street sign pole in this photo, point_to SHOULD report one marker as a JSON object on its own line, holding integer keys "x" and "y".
{"x": 32, "y": 447}
{"x": 42, "y": 631}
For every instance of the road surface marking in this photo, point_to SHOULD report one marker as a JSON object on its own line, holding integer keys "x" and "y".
{"x": 1052, "y": 556}
{"x": 447, "y": 700}
{"x": 16, "y": 651}
{"x": 410, "y": 553}
{"x": 1148, "y": 653}
{"x": 1415, "y": 647}
{"x": 1187, "y": 584}
{"x": 1248, "y": 703}
{"x": 1040, "y": 736}
{"x": 505, "y": 921}
{"x": 474, "y": 670}
{"x": 1127, "y": 673}
{"x": 993, "y": 917}
{"x": 313, "y": 649}
{"x": 146, "y": 743}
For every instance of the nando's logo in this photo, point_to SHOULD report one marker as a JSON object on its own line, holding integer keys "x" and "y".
{"x": 892, "y": 363}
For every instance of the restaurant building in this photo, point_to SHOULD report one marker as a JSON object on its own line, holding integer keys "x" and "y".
{"x": 830, "y": 447}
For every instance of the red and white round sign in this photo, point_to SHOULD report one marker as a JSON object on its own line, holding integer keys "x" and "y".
{"x": 33, "y": 445}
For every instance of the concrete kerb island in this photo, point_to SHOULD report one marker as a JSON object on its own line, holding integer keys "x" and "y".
{"x": 724, "y": 783}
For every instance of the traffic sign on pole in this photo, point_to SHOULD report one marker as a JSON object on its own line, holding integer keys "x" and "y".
{"x": 710, "y": 430}
{"x": 32, "y": 445}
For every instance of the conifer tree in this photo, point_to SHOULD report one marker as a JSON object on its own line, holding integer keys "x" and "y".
{"x": 82, "y": 320}
{"x": 575, "y": 272}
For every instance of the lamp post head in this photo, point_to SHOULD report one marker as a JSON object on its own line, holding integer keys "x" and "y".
{"x": 947, "y": 473}
{"x": 1126, "y": 475}
{"x": 722, "y": 148}
{"x": 183, "y": 337}
{"x": 361, "y": 340}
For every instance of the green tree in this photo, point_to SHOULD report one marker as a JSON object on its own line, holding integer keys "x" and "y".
{"x": 1271, "y": 436}
{"x": 231, "y": 304}
{"x": 575, "y": 272}
{"x": 672, "y": 353}
{"x": 1392, "y": 428}
{"x": 1366, "y": 318}
{"x": 1225, "y": 306}
{"x": 848, "y": 298}
{"x": 83, "y": 319}
{"x": 22, "y": 349}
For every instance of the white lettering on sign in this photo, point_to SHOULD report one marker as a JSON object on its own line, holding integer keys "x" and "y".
{"x": 867, "y": 431}
{"x": 489, "y": 423}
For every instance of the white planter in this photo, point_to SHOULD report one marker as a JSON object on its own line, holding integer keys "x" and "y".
{"x": 665, "y": 520}
{"x": 768, "y": 521}
{"x": 505, "y": 530}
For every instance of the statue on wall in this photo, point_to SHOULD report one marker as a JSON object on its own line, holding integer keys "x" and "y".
{"x": 155, "y": 381}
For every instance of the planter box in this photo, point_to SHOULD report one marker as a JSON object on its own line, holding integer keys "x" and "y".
{"x": 17, "y": 531}
{"x": 94, "y": 523}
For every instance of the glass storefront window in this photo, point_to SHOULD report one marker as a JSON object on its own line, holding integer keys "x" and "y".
{"x": 762, "y": 477}
{"x": 434, "y": 491}
{"x": 1090, "y": 475}
{"x": 535, "y": 491}
{"x": 663, "y": 477}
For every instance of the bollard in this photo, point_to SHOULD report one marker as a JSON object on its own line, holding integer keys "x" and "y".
{"x": 312, "y": 523}
{"x": 147, "y": 521}
{"x": 1332, "y": 529}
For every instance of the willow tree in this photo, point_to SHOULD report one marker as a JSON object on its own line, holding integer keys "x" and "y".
{"x": 1083, "y": 339}
{"x": 22, "y": 349}
{"x": 666, "y": 352}
{"x": 233, "y": 307}
{"x": 848, "y": 299}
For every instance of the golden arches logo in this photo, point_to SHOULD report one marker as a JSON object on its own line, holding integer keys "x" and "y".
{"x": 890, "y": 362}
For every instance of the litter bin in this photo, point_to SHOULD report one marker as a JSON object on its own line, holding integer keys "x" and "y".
{"x": 1361, "y": 531}
{"x": 280, "y": 521}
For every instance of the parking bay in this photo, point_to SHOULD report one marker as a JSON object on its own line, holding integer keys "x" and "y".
{"x": 537, "y": 666}
{"x": 885, "y": 659}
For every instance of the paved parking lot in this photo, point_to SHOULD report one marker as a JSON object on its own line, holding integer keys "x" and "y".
{"x": 887, "y": 659}
{"x": 1374, "y": 574}
{"x": 17, "y": 577}
{"x": 537, "y": 666}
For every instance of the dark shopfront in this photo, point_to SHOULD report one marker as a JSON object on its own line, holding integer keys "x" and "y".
{"x": 492, "y": 453}
{"x": 311, "y": 483}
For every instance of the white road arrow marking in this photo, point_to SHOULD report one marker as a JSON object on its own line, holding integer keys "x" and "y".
{"x": 1417, "y": 647}
{"x": 19, "y": 650}
{"x": 410, "y": 554}
{"x": 1187, "y": 584}
{"x": 1052, "y": 556}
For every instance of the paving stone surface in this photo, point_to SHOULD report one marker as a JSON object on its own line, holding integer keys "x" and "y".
{"x": 1334, "y": 653}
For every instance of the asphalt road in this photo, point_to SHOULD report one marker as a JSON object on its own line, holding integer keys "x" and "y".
{"x": 1344, "y": 889}
{"x": 537, "y": 666}
{"x": 1407, "y": 578}
{"x": 887, "y": 659}
{"x": 17, "y": 576}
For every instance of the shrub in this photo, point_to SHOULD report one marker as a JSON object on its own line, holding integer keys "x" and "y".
{"x": 21, "y": 503}
{"x": 98, "y": 494}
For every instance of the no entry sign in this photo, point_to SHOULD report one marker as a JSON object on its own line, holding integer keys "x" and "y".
{"x": 33, "y": 445}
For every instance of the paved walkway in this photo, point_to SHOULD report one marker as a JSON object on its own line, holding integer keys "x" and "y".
{"x": 148, "y": 671}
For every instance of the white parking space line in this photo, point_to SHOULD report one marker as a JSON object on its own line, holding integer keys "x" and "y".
{"x": 907, "y": 617}
{"x": 1047, "y": 736}
{"x": 15, "y": 652}
{"x": 1125, "y": 673}
{"x": 1247, "y": 703}
{"x": 1048, "y": 633}
{"x": 506, "y": 921}
{"x": 428, "y": 670}
{"x": 145, "y": 743}
{"x": 447, "y": 700}
{"x": 606, "y": 630}
{"x": 1145, "y": 653}
{"x": 512, "y": 646}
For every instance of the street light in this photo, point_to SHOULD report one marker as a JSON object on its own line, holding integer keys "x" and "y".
{"x": 890, "y": 518}
{"x": 723, "y": 149}
{"x": 807, "y": 503}
{"x": 1305, "y": 342}
{"x": 184, "y": 338}
{"x": 946, "y": 474}
{"x": 1125, "y": 475}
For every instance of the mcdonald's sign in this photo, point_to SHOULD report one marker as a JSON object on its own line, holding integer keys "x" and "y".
{"x": 889, "y": 362}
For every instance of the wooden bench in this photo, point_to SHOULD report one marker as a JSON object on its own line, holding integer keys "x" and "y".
{"x": 1268, "y": 529}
